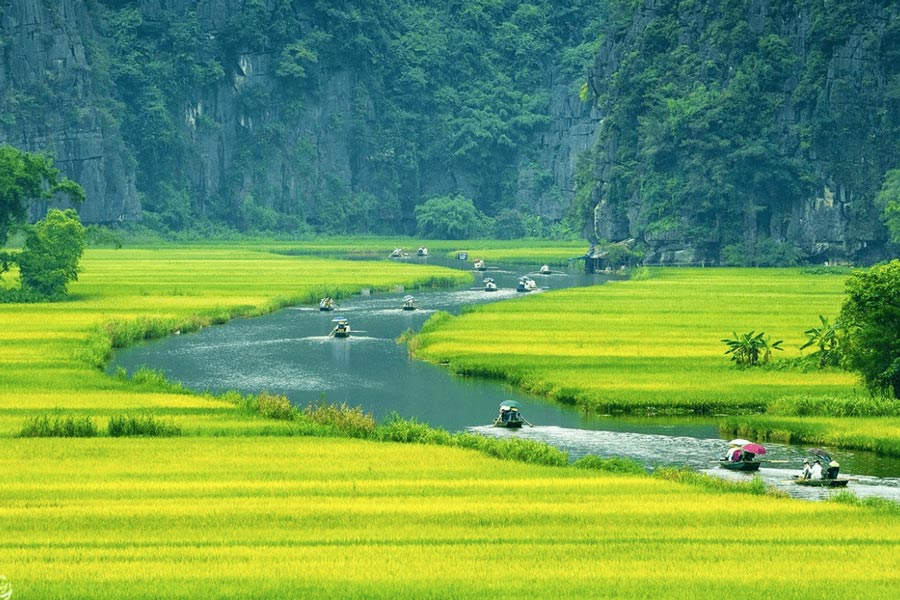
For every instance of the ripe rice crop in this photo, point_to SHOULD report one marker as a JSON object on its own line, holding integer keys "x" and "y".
{"x": 649, "y": 345}
{"x": 274, "y": 517}
{"x": 50, "y": 353}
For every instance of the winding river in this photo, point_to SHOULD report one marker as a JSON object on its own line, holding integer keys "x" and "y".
{"x": 290, "y": 352}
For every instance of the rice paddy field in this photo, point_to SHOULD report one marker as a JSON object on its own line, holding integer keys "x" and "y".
{"x": 653, "y": 344}
{"x": 234, "y": 508}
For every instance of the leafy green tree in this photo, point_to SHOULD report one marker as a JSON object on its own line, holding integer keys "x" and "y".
{"x": 509, "y": 225}
{"x": 888, "y": 200}
{"x": 26, "y": 176}
{"x": 450, "y": 218}
{"x": 871, "y": 315}
{"x": 751, "y": 349}
{"x": 49, "y": 258}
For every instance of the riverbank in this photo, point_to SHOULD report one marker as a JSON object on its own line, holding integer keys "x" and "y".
{"x": 234, "y": 508}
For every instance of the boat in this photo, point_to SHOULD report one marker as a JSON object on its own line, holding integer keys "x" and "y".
{"x": 341, "y": 327}
{"x": 526, "y": 284}
{"x": 422, "y": 251}
{"x": 839, "y": 482}
{"x": 327, "y": 303}
{"x": 510, "y": 416}
{"x": 545, "y": 270}
{"x": 409, "y": 303}
{"x": 478, "y": 265}
{"x": 489, "y": 285}
{"x": 398, "y": 253}
{"x": 740, "y": 465}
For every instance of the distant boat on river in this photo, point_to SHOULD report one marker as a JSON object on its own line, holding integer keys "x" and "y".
{"x": 327, "y": 303}
{"x": 490, "y": 285}
{"x": 409, "y": 303}
{"x": 422, "y": 251}
{"x": 526, "y": 284}
{"x": 478, "y": 265}
{"x": 545, "y": 270}
{"x": 510, "y": 416}
{"x": 341, "y": 328}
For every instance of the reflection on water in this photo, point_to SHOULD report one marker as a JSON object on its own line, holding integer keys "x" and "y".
{"x": 290, "y": 352}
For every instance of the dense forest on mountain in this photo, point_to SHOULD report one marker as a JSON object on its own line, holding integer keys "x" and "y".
{"x": 748, "y": 129}
{"x": 698, "y": 132}
{"x": 442, "y": 96}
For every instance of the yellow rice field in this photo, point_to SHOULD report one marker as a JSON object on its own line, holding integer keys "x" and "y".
{"x": 648, "y": 344}
{"x": 277, "y": 517}
{"x": 232, "y": 509}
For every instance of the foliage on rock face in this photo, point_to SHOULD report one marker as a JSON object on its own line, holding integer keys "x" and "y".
{"x": 450, "y": 218}
{"x": 455, "y": 88}
{"x": 49, "y": 258}
{"x": 720, "y": 116}
{"x": 871, "y": 315}
{"x": 25, "y": 176}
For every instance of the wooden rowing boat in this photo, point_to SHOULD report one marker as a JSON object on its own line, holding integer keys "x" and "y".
{"x": 840, "y": 482}
{"x": 740, "y": 465}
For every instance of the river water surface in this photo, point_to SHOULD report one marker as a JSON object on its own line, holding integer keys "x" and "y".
{"x": 290, "y": 352}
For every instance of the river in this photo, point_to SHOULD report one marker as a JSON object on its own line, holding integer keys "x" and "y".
{"x": 290, "y": 352}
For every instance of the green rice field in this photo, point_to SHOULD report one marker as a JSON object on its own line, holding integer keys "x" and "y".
{"x": 238, "y": 507}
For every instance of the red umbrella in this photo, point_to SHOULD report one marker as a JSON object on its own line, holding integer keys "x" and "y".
{"x": 754, "y": 448}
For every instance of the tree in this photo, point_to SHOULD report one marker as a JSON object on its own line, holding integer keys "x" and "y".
{"x": 26, "y": 176}
{"x": 888, "y": 200}
{"x": 49, "y": 258}
{"x": 450, "y": 218}
{"x": 871, "y": 315}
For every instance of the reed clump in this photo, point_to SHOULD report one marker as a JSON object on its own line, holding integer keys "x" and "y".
{"x": 69, "y": 426}
{"x": 141, "y": 425}
{"x": 341, "y": 418}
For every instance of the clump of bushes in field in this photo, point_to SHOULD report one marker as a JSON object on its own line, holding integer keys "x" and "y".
{"x": 613, "y": 464}
{"x": 350, "y": 421}
{"x": 141, "y": 425}
{"x": 59, "y": 426}
{"x": 751, "y": 349}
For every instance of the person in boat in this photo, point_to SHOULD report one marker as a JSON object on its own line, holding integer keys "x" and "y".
{"x": 832, "y": 471}
{"x": 747, "y": 456}
{"x": 505, "y": 414}
{"x": 815, "y": 472}
{"x": 730, "y": 454}
{"x": 806, "y": 472}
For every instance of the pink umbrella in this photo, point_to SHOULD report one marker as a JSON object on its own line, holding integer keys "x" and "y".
{"x": 754, "y": 448}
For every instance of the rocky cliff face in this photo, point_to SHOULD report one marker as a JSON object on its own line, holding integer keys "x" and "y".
{"x": 49, "y": 103}
{"x": 246, "y": 147}
{"x": 835, "y": 110}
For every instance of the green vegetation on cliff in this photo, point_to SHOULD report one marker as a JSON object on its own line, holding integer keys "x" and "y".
{"x": 723, "y": 117}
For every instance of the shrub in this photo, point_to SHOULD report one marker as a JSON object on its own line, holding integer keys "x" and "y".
{"x": 341, "y": 418}
{"x": 272, "y": 406}
{"x": 59, "y": 426}
{"x": 613, "y": 465}
{"x": 141, "y": 425}
{"x": 750, "y": 349}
